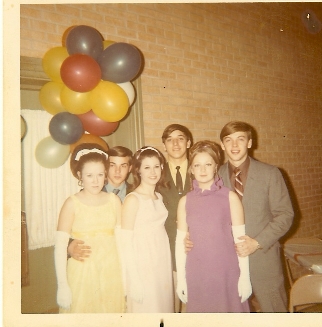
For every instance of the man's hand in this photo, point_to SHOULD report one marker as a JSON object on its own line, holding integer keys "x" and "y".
{"x": 246, "y": 247}
{"x": 188, "y": 245}
{"x": 78, "y": 250}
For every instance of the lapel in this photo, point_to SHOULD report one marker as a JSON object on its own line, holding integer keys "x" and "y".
{"x": 224, "y": 174}
{"x": 251, "y": 179}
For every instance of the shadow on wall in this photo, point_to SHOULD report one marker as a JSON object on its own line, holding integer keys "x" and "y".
{"x": 289, "y": 185}
{"x": 296, "y": 207}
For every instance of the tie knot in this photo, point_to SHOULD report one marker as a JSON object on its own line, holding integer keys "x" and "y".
{"x": 237, "y": 171}
{"x": 178, "y": 168}
{"x": 116, "y": 191}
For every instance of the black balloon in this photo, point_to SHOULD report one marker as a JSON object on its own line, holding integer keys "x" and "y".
{"x": 86, "y": 40}
{"x": 66, "y": 128}
{"x": 120, "y": 62}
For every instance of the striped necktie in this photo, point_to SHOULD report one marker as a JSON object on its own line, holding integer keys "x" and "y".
{"x": 179, "y": 181}
{"x": 239, "y": 188}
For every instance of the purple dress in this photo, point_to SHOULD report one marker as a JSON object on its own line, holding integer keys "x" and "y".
{"x": 212, "y": 268}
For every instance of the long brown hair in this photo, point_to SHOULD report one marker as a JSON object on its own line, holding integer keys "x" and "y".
{"x": 139, "y": 155}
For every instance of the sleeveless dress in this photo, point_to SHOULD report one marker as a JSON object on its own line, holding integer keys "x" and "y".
{"x": 212, "y": 269}
{"x": 96, "y": 283}
{"x": 153, "y": 258}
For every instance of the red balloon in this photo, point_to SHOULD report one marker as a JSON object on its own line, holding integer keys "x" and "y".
{"x": 96, "y": 126}
{"x": 80, "y": 72}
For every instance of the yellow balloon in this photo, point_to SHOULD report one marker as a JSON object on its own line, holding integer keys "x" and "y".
{"x": 75, "y": 102}
{"x": 52, "y": 62}
{"x": 109, "y": 101}
{"x": 49, "y": 97}
{"x": 23, "y": 127}
{"x": 107, "y": 43}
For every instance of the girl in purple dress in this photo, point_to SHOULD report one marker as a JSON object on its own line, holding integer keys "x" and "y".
{"x": 211, "y": 278}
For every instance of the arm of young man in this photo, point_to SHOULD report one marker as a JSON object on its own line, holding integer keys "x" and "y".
{"x": 279, "y": 210}
{"x": 78, "y": 250}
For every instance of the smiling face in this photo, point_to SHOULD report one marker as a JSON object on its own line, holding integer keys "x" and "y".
{"x": 236, "y": 146}
{"x": 204, "y": 168}
{"x": 118, "y": 171}
{"x": 176, "y": 145}
{"x": 150, "y": 170}
{"x": 93, "y": 177}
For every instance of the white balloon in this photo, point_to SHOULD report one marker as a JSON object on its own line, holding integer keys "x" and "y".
{"x": 51, "y": 154}
{"x": 128, "y": 88}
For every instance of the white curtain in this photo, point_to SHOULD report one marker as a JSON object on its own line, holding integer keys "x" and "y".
{"x": 45, "y": 190}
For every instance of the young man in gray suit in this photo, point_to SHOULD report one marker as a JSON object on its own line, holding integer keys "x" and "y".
{"x": 268, "y": 214}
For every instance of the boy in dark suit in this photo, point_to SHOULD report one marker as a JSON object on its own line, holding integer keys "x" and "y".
{"x": 177, "y": 139}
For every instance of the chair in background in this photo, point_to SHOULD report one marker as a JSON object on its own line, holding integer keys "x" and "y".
{"x": 306, "y": 294}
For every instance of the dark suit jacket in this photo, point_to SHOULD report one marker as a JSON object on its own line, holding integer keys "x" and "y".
{"x": 171, "y": 199}
{"x": 268, "y": 215}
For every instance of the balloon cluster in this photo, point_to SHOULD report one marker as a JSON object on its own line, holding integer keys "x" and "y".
{"x": 89, "y": 93}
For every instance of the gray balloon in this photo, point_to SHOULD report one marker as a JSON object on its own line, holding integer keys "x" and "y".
{"x": 120, "y": 62}
{"x": 66, "y": 128}
{"x": 85, "y": 40}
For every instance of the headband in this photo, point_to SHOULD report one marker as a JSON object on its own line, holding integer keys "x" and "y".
{"x": 148, "y": 148}
{"x": 86, "y": 151}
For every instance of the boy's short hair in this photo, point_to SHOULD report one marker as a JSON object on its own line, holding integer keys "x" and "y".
{"x": 120, "y": 151}
{"x": 236, "y": 126}
{"x": 177, "y": 127}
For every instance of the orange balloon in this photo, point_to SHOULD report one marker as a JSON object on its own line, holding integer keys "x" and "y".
{"x": 89, "y": 138}
{"x": 52, "y": 62}
{"x": 49, "y": 97}
{"x": 109, "y": 101}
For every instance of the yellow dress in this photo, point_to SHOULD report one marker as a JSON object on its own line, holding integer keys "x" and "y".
{"x": 96, "y": 283}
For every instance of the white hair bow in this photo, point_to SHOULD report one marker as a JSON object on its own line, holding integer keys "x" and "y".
{"x": 87, "y": 151}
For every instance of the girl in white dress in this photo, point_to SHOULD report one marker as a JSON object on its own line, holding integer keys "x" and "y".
{"x": 145, "y": 243}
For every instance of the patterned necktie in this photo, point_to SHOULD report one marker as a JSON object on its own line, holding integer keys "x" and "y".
{"x": 239, "y": 188}
{"x": 179, "y": 181}
{"x": 116, "y": 191}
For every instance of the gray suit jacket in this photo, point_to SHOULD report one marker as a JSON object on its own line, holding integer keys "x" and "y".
{"x": 268, "y": 215}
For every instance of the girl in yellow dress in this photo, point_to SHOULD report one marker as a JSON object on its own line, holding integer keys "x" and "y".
{"x": 94, "y": 285}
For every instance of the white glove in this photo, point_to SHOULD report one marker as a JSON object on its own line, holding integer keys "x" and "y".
{"x": 118, "y": 238}
{"x": 244, "y": 284}
{"x": 64, "y": 293}
{"x": 181, "y": 258}
{"x": 135, "y": 289}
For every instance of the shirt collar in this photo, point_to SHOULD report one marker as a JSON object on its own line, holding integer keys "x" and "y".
{"x": 243, "y": 167}
{"x": 184, "y": 165}
{"x": 110, "y": 187}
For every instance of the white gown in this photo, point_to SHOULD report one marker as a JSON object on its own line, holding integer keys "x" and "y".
{"x": 153, "y": 258}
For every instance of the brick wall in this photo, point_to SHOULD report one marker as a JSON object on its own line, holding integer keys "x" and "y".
{"x": 207, "y": 64}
